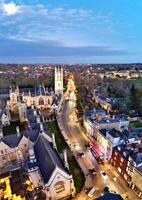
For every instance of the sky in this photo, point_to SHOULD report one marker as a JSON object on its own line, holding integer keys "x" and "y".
{"x": 70, "y": 31}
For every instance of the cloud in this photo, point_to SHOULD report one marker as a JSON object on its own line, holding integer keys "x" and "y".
{"x": 39, "y": 30}
{"x": 40, "y": 22}
{"x": 54, "y": 49}
{"x": 10, "y": 8}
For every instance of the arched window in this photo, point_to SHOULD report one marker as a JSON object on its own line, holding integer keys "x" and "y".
{"x": 41, "y": 101}
{"x": 59, "y": 186}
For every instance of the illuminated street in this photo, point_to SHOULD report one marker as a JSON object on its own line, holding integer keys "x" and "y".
{"x": 76, "y": 139}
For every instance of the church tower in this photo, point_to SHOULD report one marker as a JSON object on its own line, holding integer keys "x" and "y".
{"x": 22, "y": 108}
{"x": 14, "y": 99}
{"x": 14, "y": 95}
{"x": 58, "y": 76}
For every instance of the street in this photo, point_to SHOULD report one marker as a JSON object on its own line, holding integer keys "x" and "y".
{"x": 76, "y": 138}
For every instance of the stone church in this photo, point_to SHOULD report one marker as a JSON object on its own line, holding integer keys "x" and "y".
{"x": 40, "y": 97}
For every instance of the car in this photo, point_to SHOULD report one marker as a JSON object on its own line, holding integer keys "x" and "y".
{"x": 87, "y": 146}
{"x": 91, "y": 192}
{"x": 92, "y": 171}
{"x": 81, "y": 154}
{"x": 103, "y": 174}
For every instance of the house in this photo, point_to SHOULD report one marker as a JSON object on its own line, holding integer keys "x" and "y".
{"x": 127, "y": 158}
{"x": 119, "y": 158}
{"x": 97, "y": 120}
{"x": 134, "y": 170}
{"x": 90, "y": 117}
{"x": 108, "y": 139}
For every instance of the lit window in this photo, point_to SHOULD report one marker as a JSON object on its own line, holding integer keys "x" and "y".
{"x": 122, "y": 159}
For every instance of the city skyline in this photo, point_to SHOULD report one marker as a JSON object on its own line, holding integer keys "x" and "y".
{"x": 70, "y": 32}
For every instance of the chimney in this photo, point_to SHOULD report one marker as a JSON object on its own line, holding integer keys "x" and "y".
{"x": 53, "y": 140}
{"x": 35, "y": 113}
{"x": 65, "y": 159}
{"x": 31, "y": 153}
{"x": 38, "y": 119}
{"x": 41, "y": 127}
{"x": 18, "y": 131}
{"x": 43, "y": 119}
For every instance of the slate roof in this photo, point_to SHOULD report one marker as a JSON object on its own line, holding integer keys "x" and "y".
{"x": 137, "y": 157}
{"x": 12, "y": 140}
{"x": 47, "y": 158}
{"x": 113, "y": 132}
{"x": 31, "y": 134}
{"x": 39, "y": 90}
{"x": 124, "y": 151}
{"x": 110, "y": 196}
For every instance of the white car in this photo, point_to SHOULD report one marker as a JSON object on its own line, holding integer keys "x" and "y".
{"x": 92, "y": 192}
{"x": 103, "y": 174}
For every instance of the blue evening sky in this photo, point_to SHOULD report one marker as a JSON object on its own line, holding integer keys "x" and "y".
{"x": 70, "y": 31}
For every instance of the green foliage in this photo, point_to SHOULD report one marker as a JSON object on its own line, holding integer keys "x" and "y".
{"x": 135, "y": 97}
{"x": 11, "y": 129}
{"x": 78, "y": 175}
{"x": 136, "y": 124}
{"x": 60, "y": 141}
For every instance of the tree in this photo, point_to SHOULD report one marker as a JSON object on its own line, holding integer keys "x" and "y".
{"x": 136, "y": 99}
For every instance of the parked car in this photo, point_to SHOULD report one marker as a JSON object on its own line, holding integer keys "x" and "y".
{"x": 91, "y": 192}
{"x": 92, "y": 171}
{"x": 81, "y": 154}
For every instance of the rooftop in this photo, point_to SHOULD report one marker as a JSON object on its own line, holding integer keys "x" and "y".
{"x": 114, "y": 133}
{"x": 47, "y": 158}
{"x": 110, "y": 196}
{"x": 101, "y": 116}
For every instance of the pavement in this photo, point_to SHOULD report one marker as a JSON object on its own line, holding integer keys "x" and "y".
{"x": 76, "y": 139}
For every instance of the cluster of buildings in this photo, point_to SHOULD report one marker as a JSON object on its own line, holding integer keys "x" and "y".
{"x": 41, "y": 97}
{"x": 34, "y": 149}
{"x": 128, "y": 74}
{"x": 106, "y": 103}
{"x": 118, "y": 143}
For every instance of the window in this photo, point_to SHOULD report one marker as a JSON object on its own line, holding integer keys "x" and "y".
{"x": 1, "y": 152}
{"x": 122, "y": 159}
{"x": 41, "y": 101}
{"x": 59, "y": 187}
{"x": 48, "y": 101}
{"x": 115, "y": 153}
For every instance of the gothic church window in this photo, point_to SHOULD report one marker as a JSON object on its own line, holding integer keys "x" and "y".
{"x": 59, "y": 187}
{"x": 41, "y": 101}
